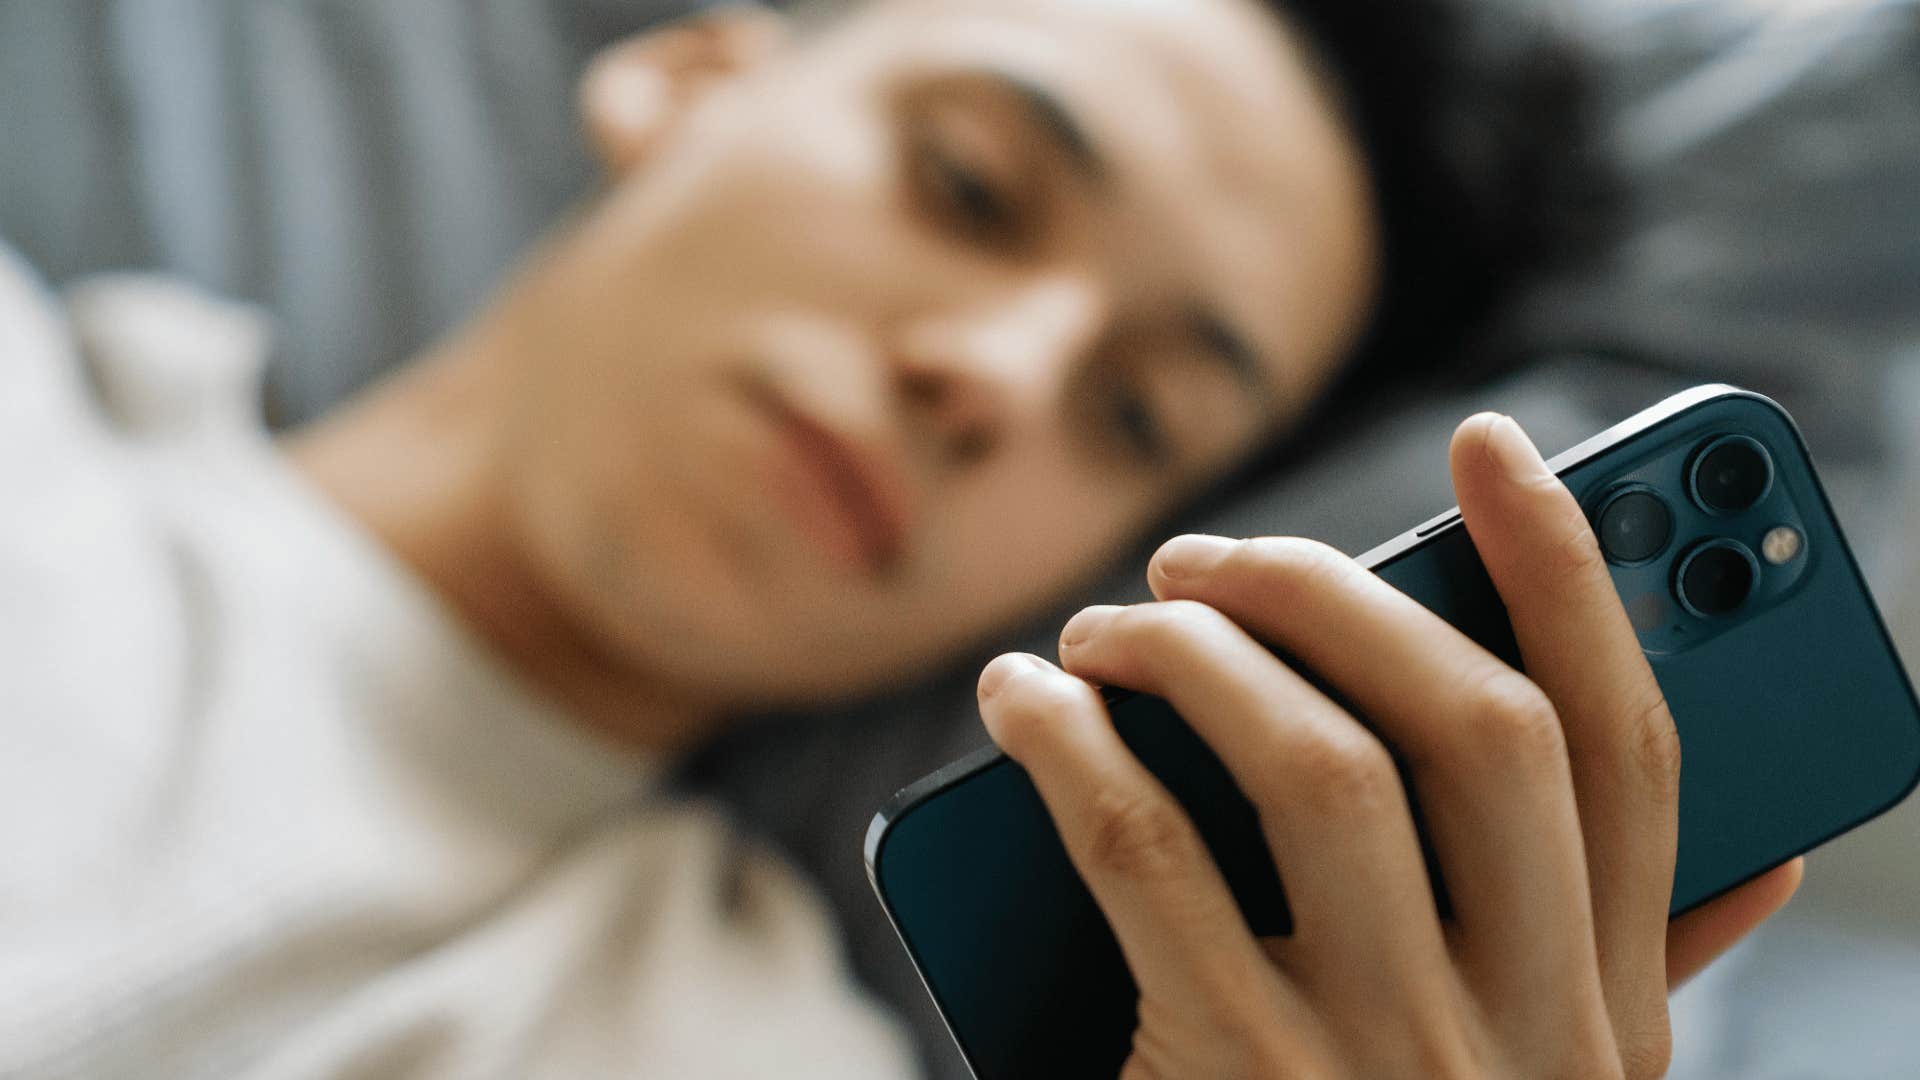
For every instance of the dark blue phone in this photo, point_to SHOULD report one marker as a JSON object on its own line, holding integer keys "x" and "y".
{"x": 1796, "y": 720}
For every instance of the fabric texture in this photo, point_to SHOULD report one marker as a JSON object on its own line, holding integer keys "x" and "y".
{"x": 270, "y": 812}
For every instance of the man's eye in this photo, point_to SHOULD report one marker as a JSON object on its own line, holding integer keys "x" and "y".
{"x": 1133, "y": 419}
{"x": 966, "y": 197}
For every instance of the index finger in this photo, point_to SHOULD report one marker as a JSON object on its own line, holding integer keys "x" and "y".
{"x": 1184, "y": 938}
{"x": 1578, "y": 645}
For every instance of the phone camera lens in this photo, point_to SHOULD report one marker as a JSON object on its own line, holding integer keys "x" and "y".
{"x": 1633, "y": 526}
{"x": 1715, "y": 578}
{"x": 1731, "y": 474}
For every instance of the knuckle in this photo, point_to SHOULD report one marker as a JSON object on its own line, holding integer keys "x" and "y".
{"x": 1292, "y": 566}
{"x": 1025, "y": 716}
{"x": 1296, "y": 556}
{"x": 1438, "y": 1048}
{"x": 1169, "y": 628}
{"x": 1170, "y": 621}
{"x": 1179, "y": 1047}
{"x": 1270, "y": 1058}
{"x": 1578, "y": 557}
{"x": 1173, "y": 1038}
{"x": 1647, "y": 1054}
{"x": 1344, "y": 776}
{"x": 1638, "y": 1043}
{"x": 1139, "y": 835}
{"x": 1286, "y": 1059}
{"x": 1512, "y": 719}
{"x": 1249, "y": 1044}
{"x": 1637, "y": 1046}
{"x": 1653, "y": 743}
{"x": 1271, "y": 1053}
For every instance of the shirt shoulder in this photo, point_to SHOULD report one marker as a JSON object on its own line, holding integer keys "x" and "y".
{"x": 42, "y": 393}
{"x": 117, "y": 363}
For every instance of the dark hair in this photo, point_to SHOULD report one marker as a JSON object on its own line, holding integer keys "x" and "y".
{"x": 1477, "y": 122}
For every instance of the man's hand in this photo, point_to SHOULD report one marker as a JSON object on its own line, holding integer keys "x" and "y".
{"x": 1550, "y": 799}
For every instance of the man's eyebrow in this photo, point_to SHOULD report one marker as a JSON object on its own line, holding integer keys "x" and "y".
{"x": 1052, "y": 116}
{"x": 1234, "y": 352}
{"x": 1216, "y": 334}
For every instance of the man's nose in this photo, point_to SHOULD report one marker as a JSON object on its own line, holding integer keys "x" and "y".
{"x": 974, "y": 371}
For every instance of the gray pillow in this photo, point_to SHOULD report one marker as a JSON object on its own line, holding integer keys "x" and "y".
{"x": 364, "y": 170}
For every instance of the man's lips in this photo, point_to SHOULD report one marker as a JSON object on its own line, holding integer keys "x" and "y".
{"x": 859, "y": 486}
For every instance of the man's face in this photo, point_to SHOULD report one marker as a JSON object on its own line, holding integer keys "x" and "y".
{"x": 910, "y": 324}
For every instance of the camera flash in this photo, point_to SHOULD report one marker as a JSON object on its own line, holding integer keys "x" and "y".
{"x": 1781, "y": 544}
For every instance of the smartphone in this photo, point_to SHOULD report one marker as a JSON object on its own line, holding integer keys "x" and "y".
{"x": 1797, "y": 722}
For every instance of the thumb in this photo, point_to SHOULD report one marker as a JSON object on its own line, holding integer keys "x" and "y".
{"x": 1697, "y": 938}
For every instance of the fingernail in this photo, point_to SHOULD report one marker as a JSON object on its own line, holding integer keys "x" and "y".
{"x": 1086, "y": 624}
{"x": 1004, "y": 667}
{"x": 1514, "y": 451}
{"x": 1191, "y": 554}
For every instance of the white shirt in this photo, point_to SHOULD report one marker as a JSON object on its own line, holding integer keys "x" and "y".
{"x": 267, "y": 810}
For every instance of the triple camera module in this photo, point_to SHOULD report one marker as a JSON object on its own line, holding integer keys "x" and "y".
{"x": 1715, "y": 574}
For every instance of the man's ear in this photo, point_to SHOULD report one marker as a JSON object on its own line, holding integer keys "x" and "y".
{"x": 636, "y": 90}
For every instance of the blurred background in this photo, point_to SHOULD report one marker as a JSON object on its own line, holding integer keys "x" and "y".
{"x": 362, "y": 171}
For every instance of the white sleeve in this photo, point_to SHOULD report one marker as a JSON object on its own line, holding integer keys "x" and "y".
{"x": 44, "y": 401}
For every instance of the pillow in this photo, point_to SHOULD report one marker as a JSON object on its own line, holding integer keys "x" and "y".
{"x": 362, "y": 170}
